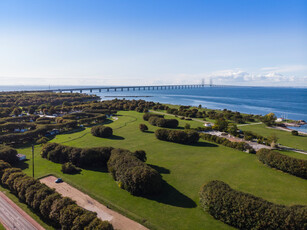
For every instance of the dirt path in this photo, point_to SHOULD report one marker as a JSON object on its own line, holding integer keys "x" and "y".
{"x": 255, "y": 145}
{"x": 258, "y": 123}
{"x": 13, "y": 217}
{"x": 117, "y": 220}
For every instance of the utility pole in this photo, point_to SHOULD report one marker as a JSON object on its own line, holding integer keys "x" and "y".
{"x": 33, "y": 160}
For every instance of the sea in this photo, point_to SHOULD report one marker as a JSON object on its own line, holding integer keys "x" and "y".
{"x": 290, "y": 103}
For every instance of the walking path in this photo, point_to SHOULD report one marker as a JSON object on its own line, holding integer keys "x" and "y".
{"x": 118, "y": 221}
{"x": 13, "y": 217}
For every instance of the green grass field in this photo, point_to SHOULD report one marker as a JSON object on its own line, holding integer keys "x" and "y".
{"x": 285, "y": 138}
{"x": 184, "y": 169}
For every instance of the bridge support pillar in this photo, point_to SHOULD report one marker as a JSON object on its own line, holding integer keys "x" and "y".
{"x": 91, "y": 90}
{"x": 128, "y": 89}
{"x": 99, "y": 90}
{"x": 121, "y": 89}
{"x": 108, "y": 90}
{"x": 71, "y": 91}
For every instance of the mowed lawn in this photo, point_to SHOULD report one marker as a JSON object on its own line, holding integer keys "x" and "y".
{"x": 285, "y": 138}
{"x": 184, "y": 168}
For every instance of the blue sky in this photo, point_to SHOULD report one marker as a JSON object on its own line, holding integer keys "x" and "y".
{"x": 242, "y": 42}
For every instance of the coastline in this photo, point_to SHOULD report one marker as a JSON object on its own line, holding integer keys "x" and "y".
{"x": 288, "y": 130}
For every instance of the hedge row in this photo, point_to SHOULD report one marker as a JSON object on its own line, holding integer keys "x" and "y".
{"x": 294, "y": 166}
{"x": 102, "y": 131}
{"x": 162, "y": 122}
{"x": 127, "y": 168}
{"x": 177, "y": 136}
{"x": 61, "y": 212}
{"x": 81, "y": 157}
{"x": 245, "y": 211}
{"x": 32, "y": 135}
{"x": 242, "y": 146}
{"x": 132, "y": 174}
{"x": 146, "y": 116}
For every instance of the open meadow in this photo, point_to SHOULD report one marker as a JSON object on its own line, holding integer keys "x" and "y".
{"x": 184, "y": 169}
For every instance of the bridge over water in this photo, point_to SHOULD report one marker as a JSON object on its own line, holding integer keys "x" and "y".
{"x": 128, "y": 88}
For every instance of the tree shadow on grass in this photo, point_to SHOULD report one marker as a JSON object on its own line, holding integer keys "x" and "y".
{"x": 171, "y": 196}
{"x": 115, "y": 137}
{"x": 204, "y": 144}
{"x": 22, "y": 164}
{"x": 160, "y": 169}
{"x": 97, "y": 169}
{"x": 148, "y": 131}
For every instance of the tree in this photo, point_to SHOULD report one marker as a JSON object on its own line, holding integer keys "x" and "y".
{"x": 102, "y": 131}
{"x": 221, "y": 125}
{"x": 232, "y": 129}
{"x": 187, "y": 126}
{"x": 143, "y": 127}
{"x": 269, "y": 119}
{"x": 70, "y": 168}
{"x": 294, "y": 133}
{"x": 8, "y": 154}
{"x": 17, "y": 111}
{"x": 273, "y": 140}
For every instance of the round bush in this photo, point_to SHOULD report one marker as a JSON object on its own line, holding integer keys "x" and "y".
{"x": 102, "y": 131}
{"x": 294, "y": 133}
{"x": 143, "y": 127}
{"x": 70, "y": 168}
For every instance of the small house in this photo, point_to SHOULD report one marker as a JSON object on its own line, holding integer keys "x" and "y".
{"x": 207, "y": 125}
{"x": 279, "y": 119}
{"x": 21, "y": 157}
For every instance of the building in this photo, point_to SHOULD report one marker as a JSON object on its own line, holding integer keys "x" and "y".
{"x": 21, "y": 157}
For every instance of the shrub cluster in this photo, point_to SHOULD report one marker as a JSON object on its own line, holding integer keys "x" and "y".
{"x": 242, "y": 146}
{"x": 177, "y": 136}
{"x": 62, "y": 212}
{"x": 245, "y": 211}
{"x": 132, "y": 174}
{"x": 294, "y": 166}
{"x": 8, "y": 154}
{"x": 102, "y": 131}
{"x": 162, "y": 122}
{"x": 294, "y": 133}
{"x": 146, "y": 116}
{"x": 81, "y": 157}
{"x": 70, "y": 168}
{"x": 143, "y": 127}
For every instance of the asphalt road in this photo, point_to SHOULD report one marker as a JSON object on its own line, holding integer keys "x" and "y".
{"x": 12, "y": 217}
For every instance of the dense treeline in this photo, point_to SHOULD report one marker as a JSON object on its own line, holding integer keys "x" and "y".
{"x": 242, "y": 146}
{"x": 128, "y": 168}
{"x": 61, "y": 212}
{"x": 8, "y": 154}
{"x": 81, "y": 157}
{"x": 237, "y": 117}
{"x": 132, "y": 174}
{"x": 177, "y": 136}
{"x": 294, "y": 166}
{"x": 11, "y": 99}
{"x": 102, "y": 131}
{"x": 245, "y": 211}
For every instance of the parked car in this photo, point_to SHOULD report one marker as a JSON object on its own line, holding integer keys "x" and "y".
{"x": 59, "y": 180}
